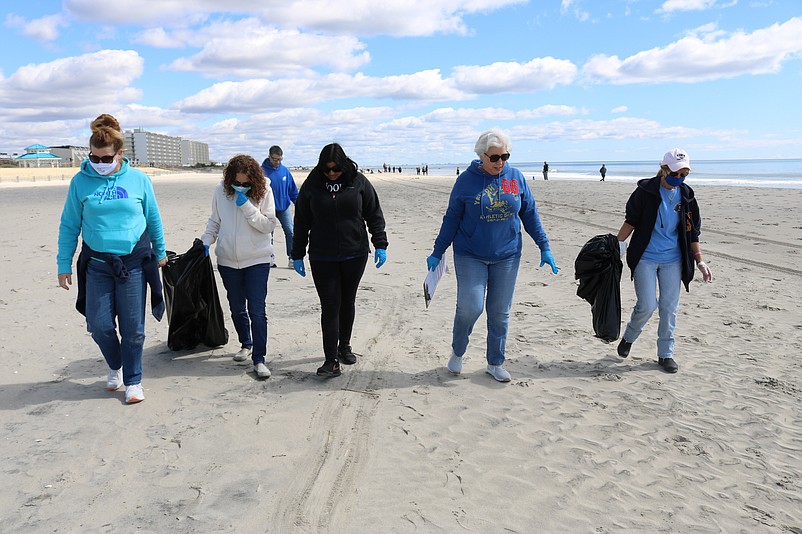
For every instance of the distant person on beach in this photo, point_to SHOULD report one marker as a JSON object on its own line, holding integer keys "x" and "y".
{"x": 113, "y": 208}
{"x": 457, "y": 171}
{"x": 487, "y": 206}
{"x": 664, "y": 216}
{"x": 284, "y": 193}
{"x": 603, "y": 172}
{"x": 545, "y": 170}
{"x": 336, "y": 208}
{"x": 243, "y": 217}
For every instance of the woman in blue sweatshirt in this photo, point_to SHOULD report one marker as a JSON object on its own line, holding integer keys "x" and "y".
{"x": 113, "y": 208}
{"x": 488, "y": 203}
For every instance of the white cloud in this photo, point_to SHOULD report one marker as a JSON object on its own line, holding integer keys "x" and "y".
{"x": 359, "y": 17}
{"x": 158, "y": 38}
{"x": 619, "y": 109}
{"x": 247, "y": 49}
{"x": 42, "y": 29}
{"x": 511, "y": 77}
{"x": 671, "y": 6}
{"x": 69, "y": 87}
{"x": 704, "y": 56}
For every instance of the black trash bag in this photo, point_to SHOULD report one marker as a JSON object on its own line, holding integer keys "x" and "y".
{"x": 193, "y": 305}
{"x": 598, "y": 269}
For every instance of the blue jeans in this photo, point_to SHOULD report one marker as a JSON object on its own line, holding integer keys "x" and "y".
{"x": 650, "y": 277}
{"x": 475, "y": 278}
{"x": 246, "y": 290}
{"x": 285, "y": 218}
{"x": 107, "y": 300}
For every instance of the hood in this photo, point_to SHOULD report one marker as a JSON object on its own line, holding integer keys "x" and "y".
{"x": 87, "y": 170}
{"x": 652, "y": 186}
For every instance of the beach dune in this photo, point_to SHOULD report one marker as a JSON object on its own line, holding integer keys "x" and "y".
{"x": 579, "y": 441}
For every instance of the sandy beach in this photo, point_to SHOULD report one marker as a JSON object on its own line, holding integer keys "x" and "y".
{"x": 580, "y": 440}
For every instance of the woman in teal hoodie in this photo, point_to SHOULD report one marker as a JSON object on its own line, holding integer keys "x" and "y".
{"x": 488, "y": 203}
{"x": 113, "y": 208}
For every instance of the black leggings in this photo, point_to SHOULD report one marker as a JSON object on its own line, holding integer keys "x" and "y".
{"x": 336, "y": 283}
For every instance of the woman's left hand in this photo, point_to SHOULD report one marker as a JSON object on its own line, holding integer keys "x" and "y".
{"x": 707, "y": 276}
{"x": 163, "y": 261}
{"x": 380, "y": 257}
{"x": 547, "y": 257}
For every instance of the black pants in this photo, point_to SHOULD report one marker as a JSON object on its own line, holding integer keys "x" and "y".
{"x": 336, "y": 283}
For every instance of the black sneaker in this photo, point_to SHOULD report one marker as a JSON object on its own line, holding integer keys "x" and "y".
{"x": 623, "y": 348}
{"x": 347, "y": 357}
{"x": 668, "y": 364}
{"x": 329, "y": 369}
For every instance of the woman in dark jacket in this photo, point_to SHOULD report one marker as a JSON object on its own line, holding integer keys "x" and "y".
{"x": 336, "y": 208}
{"x": 664, "y": 215}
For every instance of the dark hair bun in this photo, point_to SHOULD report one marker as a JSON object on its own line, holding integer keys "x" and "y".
{"x": 105, "y": 121}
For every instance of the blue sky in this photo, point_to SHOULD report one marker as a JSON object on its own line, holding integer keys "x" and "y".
{"x": 408, "y": 81}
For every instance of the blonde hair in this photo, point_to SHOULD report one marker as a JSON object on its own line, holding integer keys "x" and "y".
{"x": 106, "y": 132}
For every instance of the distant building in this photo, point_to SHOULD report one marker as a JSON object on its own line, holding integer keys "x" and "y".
{"x": 152, "y": 149}
{"x": 38, "y": 156}
{"x": 71, "y": 156}
{"x": 194, "y": 153}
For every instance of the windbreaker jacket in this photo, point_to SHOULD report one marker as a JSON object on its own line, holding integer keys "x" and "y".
{"x": 335, "y": 227}
{"x": 484, "y": 215}
{"x": 110, "y": 213}
{"x": 641, "y": 213}
{"x": 242, "y": 232}
{"x": 282, "y": 183}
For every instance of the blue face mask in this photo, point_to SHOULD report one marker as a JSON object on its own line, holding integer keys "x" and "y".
{"x": 674, "y": 181}
{"x": 241, "y": 188}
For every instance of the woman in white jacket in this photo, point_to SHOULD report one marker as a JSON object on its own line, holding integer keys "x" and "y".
{"x": 243, "y": 216}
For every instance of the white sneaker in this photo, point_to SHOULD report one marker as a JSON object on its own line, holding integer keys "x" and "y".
{"x": 499, "y": 373}
{"x": 455, "y": 364}
{"x": 261, "y": 370}
{"x": 242, "y": 355}
{"x": 134, "y": 394}
{"x": 115, "y": 379}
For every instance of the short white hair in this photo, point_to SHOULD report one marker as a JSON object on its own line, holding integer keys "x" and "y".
{"x": 494, "y": 137}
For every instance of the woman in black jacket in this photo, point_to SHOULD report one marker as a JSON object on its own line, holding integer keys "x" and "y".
{"x": 664, "y": 215}
{"x": 336, "y": 208}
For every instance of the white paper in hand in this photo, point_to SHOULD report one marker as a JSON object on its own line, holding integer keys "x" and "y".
{"x": 432, "y": 278}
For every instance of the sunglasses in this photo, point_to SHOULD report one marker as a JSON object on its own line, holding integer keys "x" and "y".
{"x": 336, "y": 168}
{"x": 104, "y": 159}
{"x": 680, "y": 174}
{"x": 242, "y": 184}
{"x": 495, "y": 157}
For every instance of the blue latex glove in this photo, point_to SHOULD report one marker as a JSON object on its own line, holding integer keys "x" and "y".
{"x": 380, "y": 257}
{"x": 547, "y": 257}
{"x": 241, "y": 198}
{"x": 206, "y": 249}
{"x": 432, "y": 263}
{"x": 298, "y": 265}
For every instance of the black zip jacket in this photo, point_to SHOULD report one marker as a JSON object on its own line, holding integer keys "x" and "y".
{"x": 642, "y": 215}
{"x": 336, "y": 226}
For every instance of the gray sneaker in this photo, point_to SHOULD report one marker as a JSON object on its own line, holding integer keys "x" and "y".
{"x": 242, "y": 355}
{"x": 455, "y": 364}
{"x": 499, "y": 373}
{"x": 261, "y": 370}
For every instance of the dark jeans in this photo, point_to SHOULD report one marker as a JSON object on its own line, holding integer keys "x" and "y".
{"x": 246, "y": 290}
{"x": 336, "y": 283}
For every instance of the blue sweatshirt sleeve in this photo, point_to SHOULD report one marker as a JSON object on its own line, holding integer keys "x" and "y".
{"x": 69, "y": 230}
{"x": 530, "y": 217}
{"x": 153, "y": 218}
{"x": 451, "y": 221}
{"x": 292, "y": 189}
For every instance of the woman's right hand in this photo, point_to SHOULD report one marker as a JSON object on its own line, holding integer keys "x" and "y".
{"x": 298, "y": 265}
{"x": 65, "y": 280}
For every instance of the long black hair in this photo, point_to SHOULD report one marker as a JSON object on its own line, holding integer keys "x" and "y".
{"x": 334, "y": 153}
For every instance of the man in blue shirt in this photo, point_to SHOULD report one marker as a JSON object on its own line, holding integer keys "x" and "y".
{"x": 284, "y": 193}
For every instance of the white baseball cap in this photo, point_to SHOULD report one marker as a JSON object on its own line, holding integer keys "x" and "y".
{"x": 676, "y": 159}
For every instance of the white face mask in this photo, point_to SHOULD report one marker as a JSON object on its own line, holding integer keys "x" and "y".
{"x": 104, "y": 169}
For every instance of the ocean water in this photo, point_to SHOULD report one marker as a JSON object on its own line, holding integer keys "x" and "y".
{"x": 781, "y": 173}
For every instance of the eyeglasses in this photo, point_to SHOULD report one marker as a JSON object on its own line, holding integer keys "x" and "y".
{"x": 680, "y": 174}
{"x": 242, "y": 184}
{"x": 495, "y": 157}
{"x": 104, "y": 159}
{"x": 276, "y": 158}
{"x": 336, "y": 168}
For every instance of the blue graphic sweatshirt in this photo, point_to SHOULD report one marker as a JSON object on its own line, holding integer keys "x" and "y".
{"x": 283, "y": 185}
{"x": 484, "y": 215}
{"x": 110, "y": 213}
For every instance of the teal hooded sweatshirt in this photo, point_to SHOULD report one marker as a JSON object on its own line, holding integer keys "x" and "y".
{"x": 109, "y": 213}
